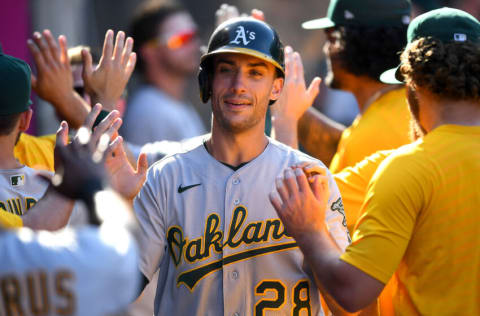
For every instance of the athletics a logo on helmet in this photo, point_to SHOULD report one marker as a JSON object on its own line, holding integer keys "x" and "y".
{"x": 244, "y": 35}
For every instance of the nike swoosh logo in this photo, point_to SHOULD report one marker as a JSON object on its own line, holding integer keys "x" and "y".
{"x": 185, "y": 188}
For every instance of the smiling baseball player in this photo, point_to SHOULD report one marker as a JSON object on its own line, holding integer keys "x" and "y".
{"x": 207, "y": 224}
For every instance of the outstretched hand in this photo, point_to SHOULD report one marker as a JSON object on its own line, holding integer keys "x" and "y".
{"x": 294, "y": 100}
{"x": 227, "y": 12}
{"x": 77, "y": 174}
{"x": 301, "y": 205}
{"x": 106, "y": 82}
{"x": 123, "y": 177}
{"x": 54, "y": 80}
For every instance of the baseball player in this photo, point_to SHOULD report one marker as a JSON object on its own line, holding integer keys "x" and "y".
{"x": 67, "y": 272}
{"x": 420, "y": 219}
{"x": 206, "y": 222}
{"x": 362, "y": 40}
{"x": 21, "y": 188}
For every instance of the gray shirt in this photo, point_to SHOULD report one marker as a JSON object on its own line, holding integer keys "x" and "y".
{"x": 153, "y": 116}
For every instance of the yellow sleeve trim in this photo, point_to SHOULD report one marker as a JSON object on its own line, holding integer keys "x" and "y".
{"x": 366, "y": 266}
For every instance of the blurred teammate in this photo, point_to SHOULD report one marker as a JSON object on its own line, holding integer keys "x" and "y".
{"x": 168, "y": 49}
{"x": 20, "y": 187}
{"x": 53, "y": 273}
{"x": 363, "y": 40}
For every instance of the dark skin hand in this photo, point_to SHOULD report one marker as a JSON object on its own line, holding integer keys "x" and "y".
{"x": 319, "y": 135}
{"x": 301, "y": 202}
{"x": 79, "y": 165}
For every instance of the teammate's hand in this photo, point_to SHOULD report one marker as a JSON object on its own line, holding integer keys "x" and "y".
{"x": 227, "y": 12}
{"x": 54, "y": 80}
{"x": 77, "y": 174}
{"x": 301, "y": 206}
{"x": 311, "y": 169}
{"x": 123, "y": 177}
{"x": 106, "y": 83}
{"x": 296, "y": 98}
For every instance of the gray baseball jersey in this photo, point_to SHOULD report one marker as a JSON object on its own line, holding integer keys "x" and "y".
{"x": 20, "y": 189}
{"x": 217, "y": 241}
{"x": 89, "y": 271}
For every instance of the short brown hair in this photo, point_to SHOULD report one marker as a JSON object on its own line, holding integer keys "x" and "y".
{"x": 8, "y": 122}
{"x": 450, "y": 70}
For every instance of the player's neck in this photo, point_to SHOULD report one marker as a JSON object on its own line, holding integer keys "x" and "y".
{"x": 367, "y": 91}
{"x": 7, "y": 159}
{"x": 444, "y": 112}
{"x": 234, "y": 148}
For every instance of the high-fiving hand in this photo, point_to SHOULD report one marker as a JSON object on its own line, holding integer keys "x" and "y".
{"x": 106, "y": 82}
{"x": 301, "y": 202}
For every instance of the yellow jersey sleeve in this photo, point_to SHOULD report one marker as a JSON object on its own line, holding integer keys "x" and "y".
{"x": 385, "y": 125}
{"x": 353, "y": 183}
{"x": 388, "y": 216}
{"x": 8, "y": 220}
{"x": 36, "y": 152}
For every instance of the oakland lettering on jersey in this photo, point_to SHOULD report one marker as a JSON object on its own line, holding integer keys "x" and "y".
{"x": 200, "y": 248}
{"x": 193, "y": 250}
{"x": 15, "y": 205}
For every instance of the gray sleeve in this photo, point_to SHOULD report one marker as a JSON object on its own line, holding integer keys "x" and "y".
{"x": 149, "y": 209}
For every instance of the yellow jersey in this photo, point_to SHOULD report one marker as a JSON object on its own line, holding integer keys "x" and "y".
{"x": 353, "y": 183}
{"x": 8, "y": 220}
{"x": 420, "y": 224}
{"x": 384, "y": 125}
{"x": 36, "y": 152}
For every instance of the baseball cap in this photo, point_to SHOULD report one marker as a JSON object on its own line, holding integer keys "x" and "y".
{"x": 446, "y": 25}
{"x": 14, "y": 85}
{"x": 373, "y": 13}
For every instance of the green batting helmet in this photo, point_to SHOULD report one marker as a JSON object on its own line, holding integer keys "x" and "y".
{"x": 246, "y": 36}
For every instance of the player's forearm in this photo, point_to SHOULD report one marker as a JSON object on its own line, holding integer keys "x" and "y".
{"x": 322, "y": 254}
{"x": 51, "y": 212}
{"x": 285, "y": 132}
{"x": 108, "y": 102}
{"x": 319, "y": 135}
{"x": 72, "y": 109}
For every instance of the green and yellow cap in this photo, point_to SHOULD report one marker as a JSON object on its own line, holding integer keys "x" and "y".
{"x": 446, "y": 25}
{"x": 370, "y": 13}
{"x": 14, "y": 85}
